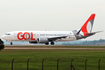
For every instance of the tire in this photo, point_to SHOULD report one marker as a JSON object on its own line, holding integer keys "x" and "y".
{"x": 11, "y": 43}
{"x": 47, "y": 43}
{"x": 52, "y": 43}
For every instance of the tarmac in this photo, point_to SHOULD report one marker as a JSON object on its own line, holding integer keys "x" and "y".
{"x": 53, "y": 48}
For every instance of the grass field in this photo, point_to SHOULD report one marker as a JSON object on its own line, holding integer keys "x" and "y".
{"x": 51, "y": 56}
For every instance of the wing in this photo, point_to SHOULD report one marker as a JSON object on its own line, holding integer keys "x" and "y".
{"x": 55, "y": 38}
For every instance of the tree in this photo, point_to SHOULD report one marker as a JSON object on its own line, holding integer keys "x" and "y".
{"x": 1, "y": 44}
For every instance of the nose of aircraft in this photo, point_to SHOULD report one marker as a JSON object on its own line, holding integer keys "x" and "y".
{"x": 3, "y": 37}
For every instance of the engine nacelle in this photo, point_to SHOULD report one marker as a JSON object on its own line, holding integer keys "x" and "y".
{"x": 42, "y": 40}
{"x": 33, "y": 42}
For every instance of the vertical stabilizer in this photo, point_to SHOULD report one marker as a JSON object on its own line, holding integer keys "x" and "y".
{"x": 87, "y": 27}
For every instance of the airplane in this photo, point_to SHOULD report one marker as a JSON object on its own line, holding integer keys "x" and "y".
{"x": 35, "y": 37}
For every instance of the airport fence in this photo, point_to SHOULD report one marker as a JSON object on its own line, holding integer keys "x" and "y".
{"x": 71, "y": 67}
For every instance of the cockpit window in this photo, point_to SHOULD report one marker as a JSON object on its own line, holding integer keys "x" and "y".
{"x": 7, "y": 34}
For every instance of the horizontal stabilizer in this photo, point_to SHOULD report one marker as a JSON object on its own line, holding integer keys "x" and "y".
{"x": 93, "y": 33}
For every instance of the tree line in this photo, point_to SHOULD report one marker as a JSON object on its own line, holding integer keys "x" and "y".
{"x": 94, "y": 42}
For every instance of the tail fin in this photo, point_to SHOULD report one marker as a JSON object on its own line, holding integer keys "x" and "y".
{"x": 87, "y": 27}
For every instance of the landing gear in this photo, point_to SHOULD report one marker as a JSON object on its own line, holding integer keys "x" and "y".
{"x": 52, "y": 43}
{"x": 11, "y": 43}
{"x": 47, "y": 43}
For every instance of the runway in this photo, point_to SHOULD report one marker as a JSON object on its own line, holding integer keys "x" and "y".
{"x": 53, "y": 48}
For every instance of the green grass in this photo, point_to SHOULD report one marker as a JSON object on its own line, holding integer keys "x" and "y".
{"x": 51, "y": 57}
{"x": 60, "y": 46}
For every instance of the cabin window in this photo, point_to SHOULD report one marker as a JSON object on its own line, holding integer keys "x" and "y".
{"x": 42, "y": 34}
{"x": 49, "y": 34}
{"x": 7, "y": 34}
{"x": 34, "y": 34}
{"x": 37, "y": 34}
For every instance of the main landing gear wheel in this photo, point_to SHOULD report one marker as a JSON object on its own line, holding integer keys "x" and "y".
{"x": 47, "y": 43}
{"x": 52, "y": 43}
{"x": 11, "y": 43}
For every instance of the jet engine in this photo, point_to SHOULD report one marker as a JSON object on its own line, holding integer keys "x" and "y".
{"x": 33, "y": 42}
{"x": 42, "y": 40}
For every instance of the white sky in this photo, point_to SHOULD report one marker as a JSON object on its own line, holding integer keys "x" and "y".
{"x": 51, "y": 15}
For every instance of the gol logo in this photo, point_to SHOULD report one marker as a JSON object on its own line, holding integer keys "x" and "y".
{"x": 21, "y": 36}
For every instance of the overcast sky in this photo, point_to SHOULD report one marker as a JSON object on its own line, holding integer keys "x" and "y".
{"x": 51, "y": 15}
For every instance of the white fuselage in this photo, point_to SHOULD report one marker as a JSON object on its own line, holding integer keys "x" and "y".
{"x": 34, "y": 35}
